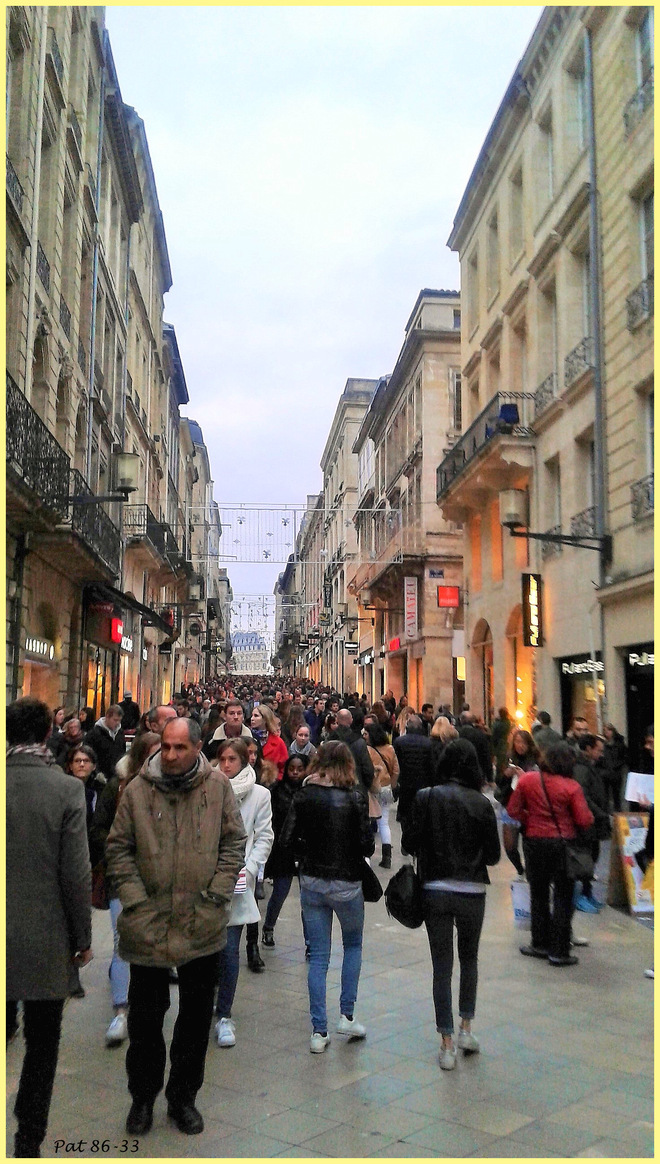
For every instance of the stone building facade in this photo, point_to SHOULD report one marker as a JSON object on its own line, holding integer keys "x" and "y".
{"x": 93, "y": 585}
{"x": 410, "y": 558}
{"x": 554, "y": 234}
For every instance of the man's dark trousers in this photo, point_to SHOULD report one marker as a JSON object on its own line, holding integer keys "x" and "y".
{"x": 42, "y": 1022}
{"x": 148, "y": 1003}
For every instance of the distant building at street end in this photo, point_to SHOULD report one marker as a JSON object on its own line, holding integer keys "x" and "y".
{"x": 250, "y": 655}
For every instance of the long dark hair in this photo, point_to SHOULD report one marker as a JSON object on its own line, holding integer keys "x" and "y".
{"x": 377, "y": 734}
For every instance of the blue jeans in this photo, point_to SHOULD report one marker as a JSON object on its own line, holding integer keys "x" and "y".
{"x": 228, "y": 975}
{"x": 318, "y": 906}
{"x": 120, "y": 971}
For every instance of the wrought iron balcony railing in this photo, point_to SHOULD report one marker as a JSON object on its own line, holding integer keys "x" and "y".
{"x": 501, "y": 416}
{"x": 90, "y": 522}
{"x": 551, "y": 549}
{"x": 583, "y": 525}
{"x": 65, "y": 317}
{"x": 545, "y": 393}
{"x": 639, "y": 304}
{"x": 43, "y": 267}
{"x": 139, "y": 523}
{"x": 33, "y": 453}
{"x": 54, "y": 50}
{"x": 579, "y": 361}
{"x": 635, "y": 109}
{"x": 16, "y": 191}
{"x": 641, "y": 496}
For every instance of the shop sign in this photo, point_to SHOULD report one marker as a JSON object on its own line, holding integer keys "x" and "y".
{"x": 145, "y": 654}
{"x": 410, "y": 606}
{"x": 303, "y": 644}
{"x": 325, "y": 618}
{"x": 394, "y": 644}
{"x": 127, "y": 644}
{"x": 116, "y": 630}
{"x": 101, "y": 607}
{"x": 643, "y": 660}
{"x": 351, "y": 648}
{"x": 531, "y": 610}
{"x": 40, "y": 647}
{"x": 449, "y": 596}
{"x": 433, "y": 573}
{"x": 586, "y": 668}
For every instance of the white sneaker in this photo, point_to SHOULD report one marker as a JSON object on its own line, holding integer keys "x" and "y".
{"x": 467, "y": 1041}
{"x": 351, "y": 1027}
{"x": 649, "y": 974}
{"x": 117, "y": 1031}
{"x": 318, "y": 1043}
{"x": 447, "y": 1058}
{"x": 225, "y": 1033}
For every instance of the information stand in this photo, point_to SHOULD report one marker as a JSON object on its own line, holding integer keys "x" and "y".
{"x": 628, "y": 885}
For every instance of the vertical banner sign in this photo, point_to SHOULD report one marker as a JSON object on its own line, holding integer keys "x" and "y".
{"x": 410, "y": 606}
{"x": 532, "y": 610}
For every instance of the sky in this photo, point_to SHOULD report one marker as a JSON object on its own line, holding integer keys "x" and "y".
{"x": 309, "y": 162}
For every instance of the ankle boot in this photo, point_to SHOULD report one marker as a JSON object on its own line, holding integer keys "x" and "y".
{"x": 254, "y": 959}
{"x": 386, "y": 862}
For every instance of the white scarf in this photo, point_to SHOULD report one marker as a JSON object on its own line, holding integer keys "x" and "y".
{"x": 243, "y": 782}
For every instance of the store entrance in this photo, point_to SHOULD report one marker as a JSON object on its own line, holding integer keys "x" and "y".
{"x": 102, "y": 679}
{"x": 639, "y": 698}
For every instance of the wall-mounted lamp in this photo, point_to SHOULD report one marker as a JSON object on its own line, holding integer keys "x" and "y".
{"x": 513, "y": 514}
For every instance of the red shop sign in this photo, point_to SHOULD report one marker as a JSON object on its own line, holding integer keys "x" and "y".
{"x": 448, "y": 596}
{"x": 394, "y": 644}
{"x": 116, "y": 630}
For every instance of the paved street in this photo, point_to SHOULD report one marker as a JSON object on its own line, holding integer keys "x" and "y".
{"x": 566, "y": 1067}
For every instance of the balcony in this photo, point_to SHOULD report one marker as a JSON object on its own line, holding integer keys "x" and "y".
{"x": 65, "y": 317}
{"x": 583, "y": 525}
{"x": 578, "y": 362}
{"x": 43, "y": 267}
{"x": 90, "y": 522}
{"x": 33, "y": 454}
{"x": 139, "y": 524}
{"x": 503, "y": 429}
{"x": 639, "y": 304}
{"x": 641, "y": 497}
{"x": 635, "y": 109}
{"x": 545, "y": 393}
{"x": 14, "y": 188}
{"x": 551, "y": 549}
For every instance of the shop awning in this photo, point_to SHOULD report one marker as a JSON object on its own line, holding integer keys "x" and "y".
{"x": 127, "y": 602}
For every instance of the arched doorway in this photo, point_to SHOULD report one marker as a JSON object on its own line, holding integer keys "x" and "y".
{"x": 482, "y": 646}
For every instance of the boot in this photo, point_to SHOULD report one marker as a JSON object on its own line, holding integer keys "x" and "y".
{"x": 386, "y": 862}
{"x": 254, "y": 959}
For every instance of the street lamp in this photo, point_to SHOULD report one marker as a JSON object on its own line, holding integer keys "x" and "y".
{"x": 126, "y": 472}
{"x": 513, "y": 513}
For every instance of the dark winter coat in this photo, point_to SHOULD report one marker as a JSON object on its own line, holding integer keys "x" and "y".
{"x": 453, "y": 832}
{"x": 360, "y": 751}
{"x": 481, "y": 741}
{"x": 281, "y": 861}
{"x": 415, "y": 754}
{"x": 591, "y": 782}
{"x": 49, "y": 886}
{"x": 328, "y": 828}
{"x": 108, "y": 750}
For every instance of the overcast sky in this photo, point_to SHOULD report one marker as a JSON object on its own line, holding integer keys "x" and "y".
{"x": 309, "y": 162}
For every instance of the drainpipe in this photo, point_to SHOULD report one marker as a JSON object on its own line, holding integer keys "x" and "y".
{"x": 600, "y": 499}
{"x": 34, "y": 226}
{"x": 95, "y": 283}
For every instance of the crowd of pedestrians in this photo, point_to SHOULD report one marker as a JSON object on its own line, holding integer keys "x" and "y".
{"x": 172, "y": 819}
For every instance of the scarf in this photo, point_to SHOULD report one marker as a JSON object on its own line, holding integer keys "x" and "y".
{"x": 40, "y": 751}
{"x": 243, "y": 782}
{"x": 179, "y": 782}
{"x": 259, "y": 734}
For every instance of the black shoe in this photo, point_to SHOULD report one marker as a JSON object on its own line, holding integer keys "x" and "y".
{"x": 568, "y": 960}
{"x": 308, "y": 953}
{"x": 386, "y": 862}
{"x": 140, "y": 1117}
{"x": 254, "y": 959}
{"x": 267, "y": 938}
{"x": 187, "y": 1118}
{"x": 25, "y": 1148}
{"x": 172, "y": 976}
{"x": 533, "y": 952}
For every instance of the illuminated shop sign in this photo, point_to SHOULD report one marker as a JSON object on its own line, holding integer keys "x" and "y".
{"x": 643, "y": 660}
{"x": 394, "y": 644}
{"x": 41, "y": 647}
{"x": 586, "y": 668}
{"x": 126, "y": 643}
{"x": 449, "y": 596}
{"x": 116, "y": 630}
{"x": 531, "y": 610}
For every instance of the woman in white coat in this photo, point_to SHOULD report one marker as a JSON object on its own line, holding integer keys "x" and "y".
{"x": 255, "y": 806}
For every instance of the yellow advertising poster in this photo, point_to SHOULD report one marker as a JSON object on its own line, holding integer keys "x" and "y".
{"x": 629, "y": 883}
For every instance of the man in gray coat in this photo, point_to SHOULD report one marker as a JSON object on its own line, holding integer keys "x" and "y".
{"x": 49, "y": 915}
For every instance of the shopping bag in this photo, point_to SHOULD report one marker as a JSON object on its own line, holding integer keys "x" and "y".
{"x": 522, "y": 911}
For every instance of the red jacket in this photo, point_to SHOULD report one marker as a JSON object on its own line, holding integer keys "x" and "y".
{"x": 276, "y": 751}
{"x": 529, "y": 805}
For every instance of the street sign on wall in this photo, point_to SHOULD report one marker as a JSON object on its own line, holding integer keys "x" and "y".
{"x": 410, "y": 606}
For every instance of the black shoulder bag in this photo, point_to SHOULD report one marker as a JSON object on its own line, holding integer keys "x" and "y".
{"x": 578, "y": 862}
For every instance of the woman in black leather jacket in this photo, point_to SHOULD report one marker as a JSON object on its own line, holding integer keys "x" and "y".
{"x": 328, "y": 829}
{"x": 452, "y": 830}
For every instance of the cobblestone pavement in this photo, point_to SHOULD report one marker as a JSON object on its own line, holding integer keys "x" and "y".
{"x": 565, "y": 1070}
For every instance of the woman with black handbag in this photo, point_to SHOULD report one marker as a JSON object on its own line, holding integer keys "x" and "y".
{"x": 452, "y": 830}
{"x": 552, "y": 810}
{"x": 328, "y": 829}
